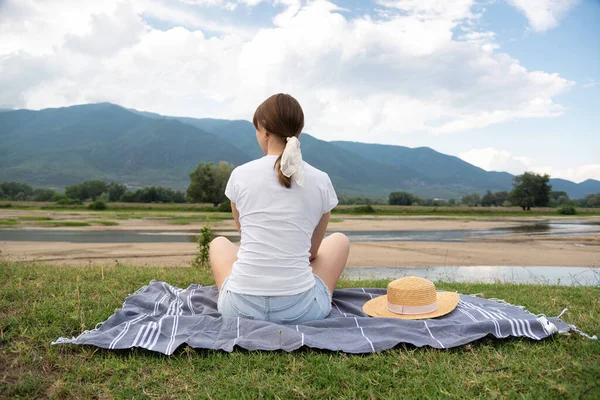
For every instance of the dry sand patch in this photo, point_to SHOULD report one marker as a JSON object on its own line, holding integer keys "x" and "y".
{"x": 571, "y": 251}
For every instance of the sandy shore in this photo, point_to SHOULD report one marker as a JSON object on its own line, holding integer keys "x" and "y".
{"x": 572, "y": 251}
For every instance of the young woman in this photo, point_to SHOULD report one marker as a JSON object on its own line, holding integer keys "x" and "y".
{"x": 283, "y": 271}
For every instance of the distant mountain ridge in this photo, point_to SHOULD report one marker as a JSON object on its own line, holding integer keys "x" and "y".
{"x": 60, "y": 146}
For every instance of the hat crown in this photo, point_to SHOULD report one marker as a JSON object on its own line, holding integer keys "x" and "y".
{"x": 411, "y": 291}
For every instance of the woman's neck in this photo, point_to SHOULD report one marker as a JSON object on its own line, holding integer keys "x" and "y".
{"x": 275, "y": 146}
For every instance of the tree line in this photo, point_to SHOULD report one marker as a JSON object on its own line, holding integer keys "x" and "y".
{"x": 529, "y": 190}
{"x": 207, "y": 185}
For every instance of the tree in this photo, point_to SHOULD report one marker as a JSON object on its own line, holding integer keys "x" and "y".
{"x": 75, "y": 192}
{"x": 179, "y": 197}
{"x": 471, "y": 200}
{"x": 92, "y": 189}
{"x": 562, "y": 200}
{"x": 488, "y": 199}
{"x": 591, "y": 200}
{"x": 558, "y": 198}
{"x": 531, "y": 190}
{"x": 43, "y": 194}
{"x": 13, "y": 189}
{"x": 128, "y": 197}
{"x": 207, "y": 183}
{"x": 115, "y": 191}
{"x": 402, "y": 199}
{"x": 500, "y": 198}
{"x": 555, "y": 195}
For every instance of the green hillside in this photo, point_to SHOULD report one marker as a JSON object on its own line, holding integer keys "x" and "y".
{"x": 58, "y": 147}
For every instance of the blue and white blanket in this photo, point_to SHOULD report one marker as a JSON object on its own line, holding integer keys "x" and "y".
{"x": 161, "y": 317}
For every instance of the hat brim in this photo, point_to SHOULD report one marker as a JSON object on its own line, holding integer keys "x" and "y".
{"x": 377, "y": 307}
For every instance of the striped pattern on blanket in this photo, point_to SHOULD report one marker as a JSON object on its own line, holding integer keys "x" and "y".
{"x": 160, "y": 317}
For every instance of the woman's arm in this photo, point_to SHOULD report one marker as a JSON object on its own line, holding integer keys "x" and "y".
{"x": 236, "y": 217}
{"x": 318, "y": 235}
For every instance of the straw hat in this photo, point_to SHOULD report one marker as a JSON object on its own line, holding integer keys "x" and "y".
{"x": 411, "y": 298}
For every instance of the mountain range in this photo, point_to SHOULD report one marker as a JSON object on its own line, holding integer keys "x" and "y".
{"x": 61, "y": 146}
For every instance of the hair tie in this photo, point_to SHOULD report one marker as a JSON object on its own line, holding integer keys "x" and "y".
{"x": 291, "y": 161}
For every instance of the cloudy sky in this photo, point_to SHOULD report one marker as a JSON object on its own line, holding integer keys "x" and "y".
{"x": 507, "y": 85}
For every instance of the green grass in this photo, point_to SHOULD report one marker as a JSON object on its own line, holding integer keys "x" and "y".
{"x": 8, "y": 222}
{"x": 183, "y": 220}
{"x": 105, "y": 223}
{"x": 39, "y": 303}
{"x": 34, "y": 218}
{"x": 458, "y": 211}
{"x": 63, "y": 223}
{"x": 335, "y": 220}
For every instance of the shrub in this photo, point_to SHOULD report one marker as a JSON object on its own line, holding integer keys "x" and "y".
{"x": 58, "y": 197}
{"x": 567, "y": 210}
{"x": 201, "y": 259}
{"x": 7, "y": 205}
{"x": 98, "y": 205}
{"x": 225, "y": 206}
{"x": 66, "y": 201}
{"x": 363, "y": 209}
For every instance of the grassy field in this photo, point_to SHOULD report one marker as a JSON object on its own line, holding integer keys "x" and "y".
{"x": 55, "y": 224}
{"x": 105, "y": 223}
{"x": 40, "y": 303}
{"x": 459, "y": 211}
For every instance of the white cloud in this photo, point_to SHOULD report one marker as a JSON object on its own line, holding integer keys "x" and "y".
{"x": 544, "y": 14}
{"x": 417, "y": 66}
{"x": 109, "y": 33}
{"x": 492, "y": 159}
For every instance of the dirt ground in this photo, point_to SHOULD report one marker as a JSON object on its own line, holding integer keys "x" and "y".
{"x": 510, "y": 250}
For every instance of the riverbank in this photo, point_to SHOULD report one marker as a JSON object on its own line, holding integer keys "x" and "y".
{"x": 526, "y": 251}
{"x": 37, "y": 305}
{"x": 223, "y": 222}
{"x": 168, "y": 239}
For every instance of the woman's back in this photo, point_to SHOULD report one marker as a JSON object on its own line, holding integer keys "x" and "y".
{"x": 277, "y": 224}
{"x": 284, "y": 270}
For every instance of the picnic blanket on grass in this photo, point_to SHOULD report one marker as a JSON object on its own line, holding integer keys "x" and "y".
{"x": 161, "y": 317}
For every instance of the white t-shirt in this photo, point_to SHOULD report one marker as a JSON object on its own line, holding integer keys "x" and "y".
{"x": 277, "y": 225}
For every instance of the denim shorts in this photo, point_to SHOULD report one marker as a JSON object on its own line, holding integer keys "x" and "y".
{"x": 313, "y": 304}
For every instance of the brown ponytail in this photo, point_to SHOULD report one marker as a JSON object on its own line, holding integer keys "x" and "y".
{"x": 280, "y": 115}
{"x": 284, "y": 180}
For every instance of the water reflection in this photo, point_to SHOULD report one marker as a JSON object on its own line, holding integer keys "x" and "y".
{"x": 565, "y": 276}
{"x": 456, "y": 235}
{"x": 536, "y": 228}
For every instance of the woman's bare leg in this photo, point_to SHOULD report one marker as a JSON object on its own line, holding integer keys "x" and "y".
{"x": 331, "y": 259}
{"x": 223, "y": 254}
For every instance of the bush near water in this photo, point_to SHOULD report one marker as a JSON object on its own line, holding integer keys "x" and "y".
{"x": 98, "y": 205}
{"x": 567, "y": 210}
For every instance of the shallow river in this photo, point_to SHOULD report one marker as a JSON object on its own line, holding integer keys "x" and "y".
{"x": 108, "y": 236}
{"x": 566, "y": 276}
